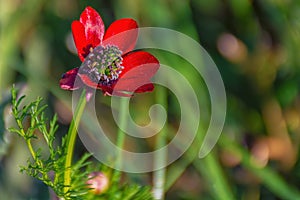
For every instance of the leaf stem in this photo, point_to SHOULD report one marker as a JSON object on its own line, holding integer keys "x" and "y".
{"x": 71, "y": 138}
{"x": 23, "y": 134}
{"x": 31, "y": 149}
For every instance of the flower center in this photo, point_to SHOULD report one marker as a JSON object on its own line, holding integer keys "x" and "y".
{"x": 103, "y": 64}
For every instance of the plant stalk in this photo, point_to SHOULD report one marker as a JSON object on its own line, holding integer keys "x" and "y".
{"x": 71, "y": 139}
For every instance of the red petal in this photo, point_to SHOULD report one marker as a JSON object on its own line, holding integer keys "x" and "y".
{"x": 123, "y": 33}
{"x": 80, "y": 39}
{"x": 92, "y": 84}
{"x": 107, "y": 90}
{"x": 145, "y": 88}
{"x": 139, "y": 67}
{"x": 143, "y": 61}
{"x": 93, "y": 25}
{"x": 68, "y": 79}
{"x": 87, "y": 81}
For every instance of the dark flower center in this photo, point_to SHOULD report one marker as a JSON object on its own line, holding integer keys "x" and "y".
{"x": 103, "y": 64}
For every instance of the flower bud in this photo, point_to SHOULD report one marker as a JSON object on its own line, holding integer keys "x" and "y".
{"x": 98, "y": 182}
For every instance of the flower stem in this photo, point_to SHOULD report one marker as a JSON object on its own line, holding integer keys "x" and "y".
{"x": 71, "y": 138}
{"x": 159, "y": 176}
{"x": 120, "y": 137}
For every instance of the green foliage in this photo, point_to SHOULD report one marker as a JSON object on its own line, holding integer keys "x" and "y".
{"x": 51, "y": 170}
{"x": 126, "y": 192}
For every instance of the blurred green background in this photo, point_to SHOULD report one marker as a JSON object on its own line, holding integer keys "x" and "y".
{"x": 255, "y": 45}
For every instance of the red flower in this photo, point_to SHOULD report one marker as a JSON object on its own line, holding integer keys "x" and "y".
{"x": 108, "y": 63}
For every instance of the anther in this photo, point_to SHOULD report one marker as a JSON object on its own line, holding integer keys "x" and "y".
{"x": 103, "y": 64}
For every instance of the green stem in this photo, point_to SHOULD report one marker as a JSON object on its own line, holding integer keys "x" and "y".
{"x": 31, "y": 149}
{"x": 159, "y": 176}
{"x": 120, "y": 137}
{"x": 71, "y": 138}
{"x": 23, "y": 134}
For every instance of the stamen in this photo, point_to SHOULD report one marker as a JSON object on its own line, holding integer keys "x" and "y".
{"x": 103, "y": 64}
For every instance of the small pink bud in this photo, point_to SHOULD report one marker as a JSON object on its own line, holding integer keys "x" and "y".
{"x": 98, "y": 182}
